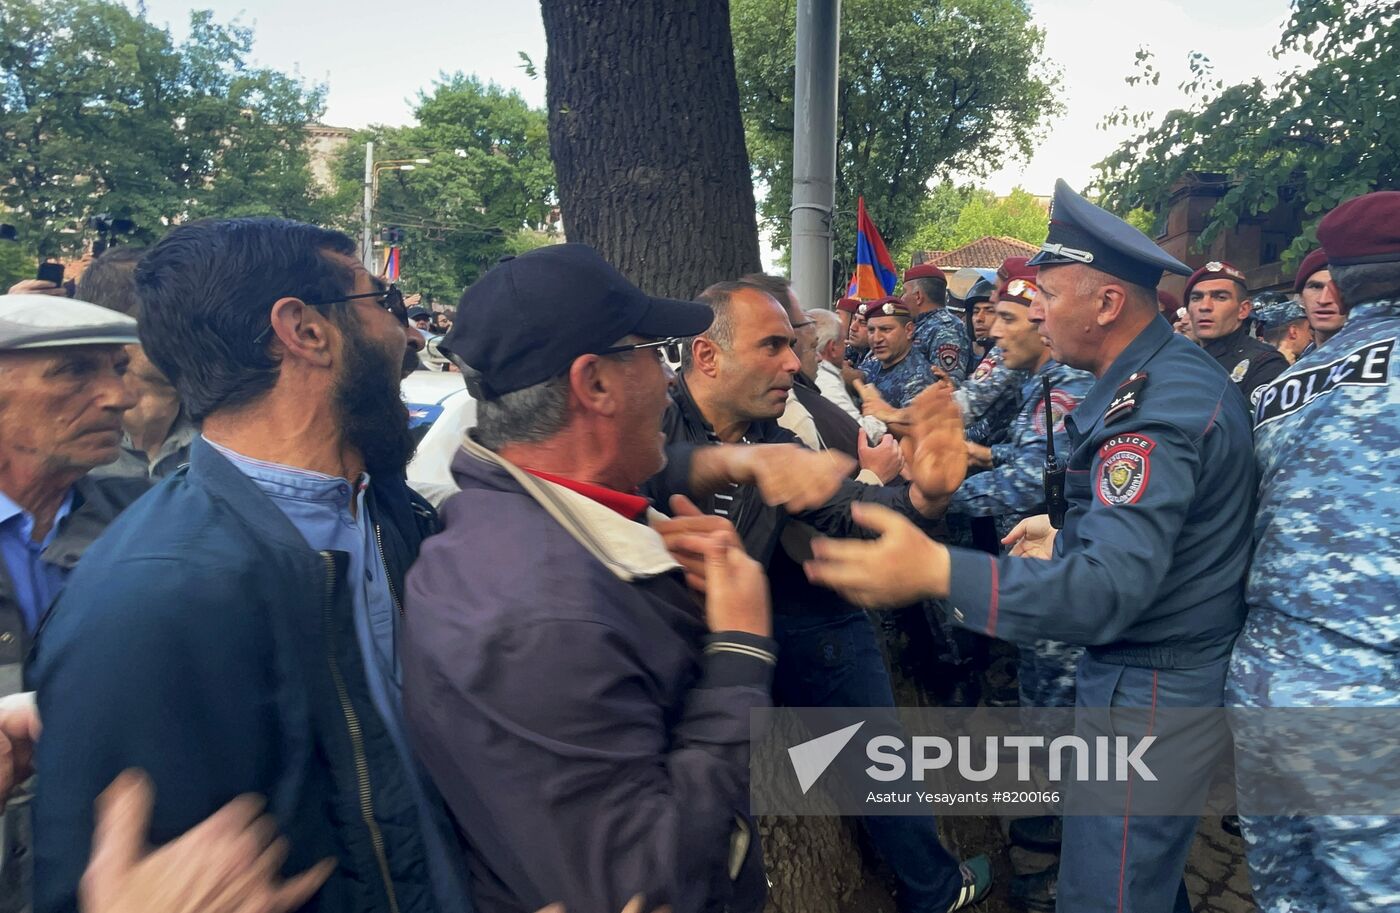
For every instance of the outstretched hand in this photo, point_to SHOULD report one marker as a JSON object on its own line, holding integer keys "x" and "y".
{"x": 935, "y": 449}
{"x": 900, "y": 567}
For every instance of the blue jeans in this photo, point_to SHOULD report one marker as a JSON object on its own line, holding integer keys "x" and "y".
{"x": 835, "y": 661}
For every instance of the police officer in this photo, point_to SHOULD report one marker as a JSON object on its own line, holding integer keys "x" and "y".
{"x": 1160, "y": 494}
{"x": 991, "y": 396}
{"x": 1217, "y": 303}
{"x": 1283, "y": 324}
{"x": 939, "y": 336}
{"x": 896, "y": 367}
{"x": 1322, "y": 627}
{"x": 980, "y": 311}
{"x": 1313, "y": 285}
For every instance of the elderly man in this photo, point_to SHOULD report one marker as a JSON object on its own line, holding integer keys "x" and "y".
{"x": 235, "y": 631}
{"x": 831, "y": 355}
{"x": 1218, "y": 306}
{"x": 1322, "y": 628}
{"x": 585, "y": 715}
{"x": 1160, "y": 492}
{"x": 1322, "y": 303}
{"x": 62, "y": 398}
{"x": 157, "y": 433}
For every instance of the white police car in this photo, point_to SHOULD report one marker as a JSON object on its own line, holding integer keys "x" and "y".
{"x": 440, "y": 410}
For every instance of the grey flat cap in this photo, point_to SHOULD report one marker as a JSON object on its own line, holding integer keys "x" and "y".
{"x": 48, "y": 322}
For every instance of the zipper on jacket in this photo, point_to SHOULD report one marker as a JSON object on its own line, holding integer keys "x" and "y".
{"x": 357, "y": 744}
{"x": 384, "y": 563}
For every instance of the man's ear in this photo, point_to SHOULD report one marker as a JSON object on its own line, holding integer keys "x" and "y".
{"x": 597, "y": 384}
{"x": 1112, "y": 299}
{"x": 303, "y": 332}
{"x": 704, "y": 355}
{"x": 1246, "y": 308}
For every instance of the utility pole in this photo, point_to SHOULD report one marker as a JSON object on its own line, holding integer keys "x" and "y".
{"x": 814, "y": 149}
{"x": 366, "y": 241}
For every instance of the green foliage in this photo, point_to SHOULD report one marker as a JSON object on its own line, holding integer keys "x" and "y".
{"x": 102, "y": 112}
{"x": 927, "y": 90}
{"x": 487, "y": 190}
{"x": 953, "y": 216}
{"x": 15, "y": 264}
{"x": 1328, "y": 131}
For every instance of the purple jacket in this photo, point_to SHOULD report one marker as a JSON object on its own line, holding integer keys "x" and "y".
{"x": 589, "y": 734}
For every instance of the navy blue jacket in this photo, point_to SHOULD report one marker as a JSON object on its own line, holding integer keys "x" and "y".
{"x": 1149, "y": 568}
{"x": 202, "y": 641}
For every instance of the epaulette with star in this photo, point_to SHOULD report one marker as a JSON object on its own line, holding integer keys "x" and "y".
{"x": 1125, "y": 400}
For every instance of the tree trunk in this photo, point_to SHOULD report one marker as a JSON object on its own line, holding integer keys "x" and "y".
{"x": 647, "y": 141}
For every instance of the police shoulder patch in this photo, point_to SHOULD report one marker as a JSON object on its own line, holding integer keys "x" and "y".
{"x": 948, "y": 356}
{"x": 1125, "y": 465}
{"x": 1240, "y": 371}
{"x": 984, "y": 369}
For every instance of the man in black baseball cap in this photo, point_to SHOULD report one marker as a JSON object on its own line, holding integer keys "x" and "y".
{"x": 547, "y": 307}
{"x": 555, "y": 638}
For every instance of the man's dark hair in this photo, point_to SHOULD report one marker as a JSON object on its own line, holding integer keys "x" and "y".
{"x": 935, "y": 288}
{"x": 108, "y": 281}
{"x": 207, "y": 291}
{"x": 776, "y": 286}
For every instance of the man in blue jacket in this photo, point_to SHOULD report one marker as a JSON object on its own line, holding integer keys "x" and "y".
{"x": 234, "y": 631}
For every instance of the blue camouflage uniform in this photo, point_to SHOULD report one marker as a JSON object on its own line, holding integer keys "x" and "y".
{"x": 1323, "y": 629}
{"x": 942, "y": 340}
{"x": 1148, "y": 571}
{"x": 990, "y": 399}
{"x": 1014, "y": 489}
{"x": 902, "y": 382}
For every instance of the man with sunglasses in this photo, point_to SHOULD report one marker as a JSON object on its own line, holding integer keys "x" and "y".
{"x": 235, "y": 631}
{"x": 583, "y": 709}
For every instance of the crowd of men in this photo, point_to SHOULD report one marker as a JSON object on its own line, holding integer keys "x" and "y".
{"x": 252, "y": 645}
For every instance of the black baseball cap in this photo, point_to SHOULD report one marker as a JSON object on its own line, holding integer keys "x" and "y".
{"x": 530, "y": 316}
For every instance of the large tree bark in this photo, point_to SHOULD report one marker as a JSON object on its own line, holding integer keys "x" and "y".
{"x": 647, "y": 141}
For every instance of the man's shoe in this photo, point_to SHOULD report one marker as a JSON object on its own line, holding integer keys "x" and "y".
{"x": 1037, "y": 892}
{"x": 976, "y": 882}
{"x": 1042, "y": 832}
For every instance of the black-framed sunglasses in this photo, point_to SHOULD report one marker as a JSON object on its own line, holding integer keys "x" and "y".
{"x": 393, "y": 303}
{"x": 671, "y": 347}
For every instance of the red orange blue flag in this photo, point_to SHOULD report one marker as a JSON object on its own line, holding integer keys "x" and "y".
{"x": 391, "y": 265}
{"x": 875, "y": 276}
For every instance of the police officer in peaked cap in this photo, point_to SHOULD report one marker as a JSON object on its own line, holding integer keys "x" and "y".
{"x": 1147, "y": 572}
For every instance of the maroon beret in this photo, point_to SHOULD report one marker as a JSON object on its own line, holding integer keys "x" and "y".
{"x": 924, "y": 271}
{"x": 1215, "y": 269}
{"x": 849, "y": 305}
{"x": 1018, "y": 290}
{"x": 1015, "y": 268}
{"x": 1362, "y": 230}
{"x": 884, "y": 307}
{"x": 1311, "y": 263}
{"x": 1167, "y": 303}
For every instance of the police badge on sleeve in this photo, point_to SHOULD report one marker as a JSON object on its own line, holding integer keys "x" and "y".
{"x": 1124, "y": 467}
{"x": 948, "y": 356}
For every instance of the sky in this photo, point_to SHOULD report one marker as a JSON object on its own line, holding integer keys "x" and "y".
{"x": 376, "y": 57}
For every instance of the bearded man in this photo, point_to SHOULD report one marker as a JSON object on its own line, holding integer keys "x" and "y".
{"x": 234, "y": 631}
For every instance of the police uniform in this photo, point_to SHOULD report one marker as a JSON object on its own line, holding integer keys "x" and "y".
{"x": 1249, "y": 362}
{"x": 939, "y": 334}
{"x": 1014, "y": 489}
{"x": 1323, "y": 630}
{"x": 1148, "y": 570}
{"x": 990, "y": 399}
{"x": 899, "y": 383}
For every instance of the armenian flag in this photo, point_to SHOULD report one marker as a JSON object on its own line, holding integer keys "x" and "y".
{"x": 391, "y": 265}
{"x": 875, "y": 276}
